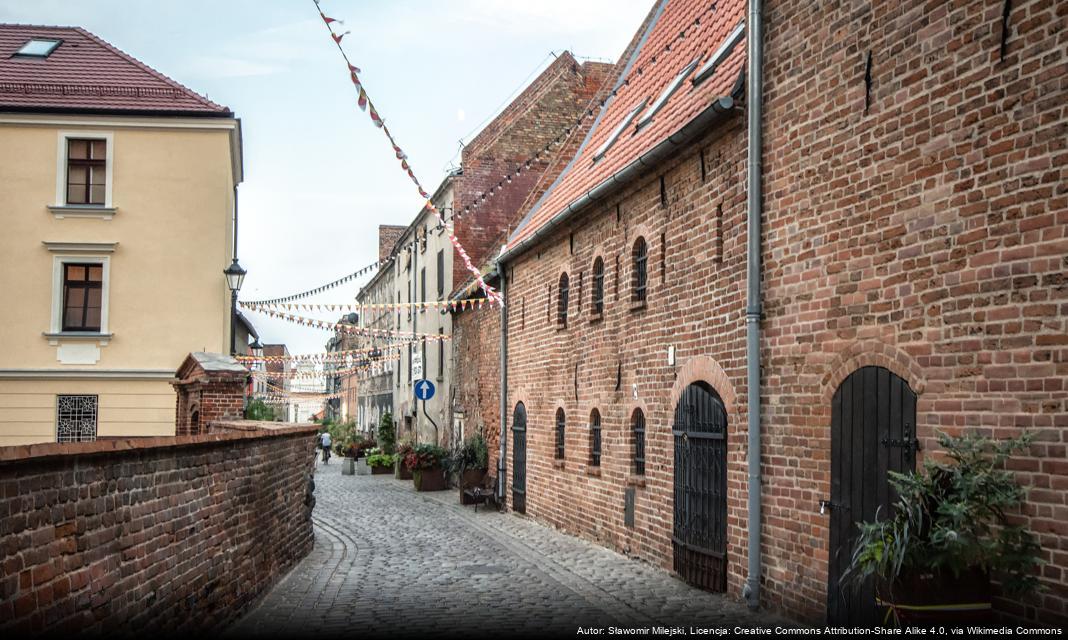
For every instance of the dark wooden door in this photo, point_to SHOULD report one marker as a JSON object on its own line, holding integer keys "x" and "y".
{"x": 519, "y": 459}
{"x": 699, "y": 536}
{"x": 873, "y": 431}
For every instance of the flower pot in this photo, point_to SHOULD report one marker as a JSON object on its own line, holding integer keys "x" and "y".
{"x": 361, "y": 467}
{"x": 403, "y": 472}
{"x": 432, "y": 479}
{"x": 348, "y": 466}
{"x": 377, "y": 471}
{"x": 926, "y": 598}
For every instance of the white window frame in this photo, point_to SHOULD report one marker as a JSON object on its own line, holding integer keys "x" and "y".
{"x": 61, "y": 167}
{"x": 58, "y": 262}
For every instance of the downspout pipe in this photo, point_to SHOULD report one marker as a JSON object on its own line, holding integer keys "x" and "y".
{"x": 753, "y": 309}
{"x": 502, "y": 449}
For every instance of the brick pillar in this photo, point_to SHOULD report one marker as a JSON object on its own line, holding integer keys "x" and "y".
{"x": 210, "y": 387}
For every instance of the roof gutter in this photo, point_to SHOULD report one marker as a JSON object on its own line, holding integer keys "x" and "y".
{"x": 712, "y": 114}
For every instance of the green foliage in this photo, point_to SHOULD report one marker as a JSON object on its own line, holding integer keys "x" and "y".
{"x": 258, "y": 410}
{"x": 953, "y": 517}
{"x": 426, "y": 456}
{"x": 387, "y": 433}
{"x": 472, "y": 454}
{"x": 377, "y": 458}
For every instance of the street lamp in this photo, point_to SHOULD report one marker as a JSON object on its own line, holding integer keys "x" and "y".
{"x": 235, "y": 275}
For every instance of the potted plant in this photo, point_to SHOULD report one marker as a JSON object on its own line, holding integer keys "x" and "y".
{"x": 403, "y": 472}
{"x": 427, "y": 464}
{"x": 470, "y": 462}
{"x": 387, "y": 433}
{"x": 932, "y": 559}
{"x": 379, "y": 461}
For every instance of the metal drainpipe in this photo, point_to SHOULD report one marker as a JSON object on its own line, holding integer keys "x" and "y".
{"x": 754, "y": 96}
{"x": 502, "y": 449}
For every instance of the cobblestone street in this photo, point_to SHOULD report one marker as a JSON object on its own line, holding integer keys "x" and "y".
{"x": 389, "y": 559}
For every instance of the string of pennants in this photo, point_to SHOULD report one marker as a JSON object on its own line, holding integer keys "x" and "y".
{"x": 325, "y": 357}
{"x": 325, "y": 373}
{"x": 327, "y": 286}
{"x": 405, "y": 336}
{"x": 365, "y": 104}
{"x": 276, "y": 390}
{"x": 452, "y": 305}
{"x": 621, "y": 85}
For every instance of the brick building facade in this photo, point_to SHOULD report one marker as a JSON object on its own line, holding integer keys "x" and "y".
{"x": 914, "y": 241}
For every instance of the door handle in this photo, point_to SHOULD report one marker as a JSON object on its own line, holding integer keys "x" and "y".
{"x": 827, "y": 504}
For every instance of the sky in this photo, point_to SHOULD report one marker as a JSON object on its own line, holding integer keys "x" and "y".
{"x": 319, "y": 176}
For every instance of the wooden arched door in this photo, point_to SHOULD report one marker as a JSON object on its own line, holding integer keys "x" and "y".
{"x": 519, "y": 459}
{"x": 873, "y": 431}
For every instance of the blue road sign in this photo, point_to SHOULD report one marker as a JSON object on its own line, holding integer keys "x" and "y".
{"x": 424, "y": 389}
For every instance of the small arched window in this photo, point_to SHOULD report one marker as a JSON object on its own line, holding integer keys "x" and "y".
{"x": 561, "y": 301}
{"x": 560, "y": 422}
{"x": 595, "y": 438}
{"x": 597, "y": 298}
{"x": 638, "y": 429}
{"x": 641, "y": 259}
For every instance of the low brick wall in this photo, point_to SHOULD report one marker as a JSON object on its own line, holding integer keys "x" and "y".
{"x": 151, "y": 534}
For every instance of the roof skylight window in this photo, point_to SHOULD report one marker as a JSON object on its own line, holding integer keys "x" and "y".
{"x": 666, "y": 94}
{"x": 603, "y": 149}
{"x": 38, "y": 48}
{"x": 721, "y": 54}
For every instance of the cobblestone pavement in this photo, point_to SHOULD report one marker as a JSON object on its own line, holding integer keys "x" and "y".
{"x": 387, "y": 559}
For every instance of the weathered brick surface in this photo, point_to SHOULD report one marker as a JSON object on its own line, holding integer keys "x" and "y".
{"x": 927, "y": 236}
{"x": 149, "y": 535}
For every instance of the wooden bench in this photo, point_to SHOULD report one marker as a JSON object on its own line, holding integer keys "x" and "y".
{"x": 483, "y": 492}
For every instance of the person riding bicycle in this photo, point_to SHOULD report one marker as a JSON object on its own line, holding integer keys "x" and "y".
{"x": 325, "y": 442}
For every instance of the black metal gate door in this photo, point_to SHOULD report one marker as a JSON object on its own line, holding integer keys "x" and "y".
{"x": 873, "y": 418}
{"x": 699, "y": 538}
{"x": 519, "y": 459}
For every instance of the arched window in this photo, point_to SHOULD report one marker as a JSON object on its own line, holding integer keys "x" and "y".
{"x": 598, "y": 286}
{"x": 560, "y": 434}
{"x": 638, "y": 428}
{"x": 595, "y": 438}
{"x": 641, "y": 259}
{"x": 561, "y": 301}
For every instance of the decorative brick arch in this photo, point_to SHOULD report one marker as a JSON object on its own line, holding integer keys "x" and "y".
{"x": 871, "y": 353}
{"x": 704, "y": 369}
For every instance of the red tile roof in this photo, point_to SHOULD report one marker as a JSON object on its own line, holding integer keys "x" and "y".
{"x": 644, "y": 80}
{"x": 86, "y": 74}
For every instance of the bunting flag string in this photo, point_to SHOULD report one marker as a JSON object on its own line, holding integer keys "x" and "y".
{"x": 346, "y": 328}
{"x": 327, "y": 286}
{"x": 365, "y": 102}
{"x": 449, "y": 305}
{"x": 324, "y": 357}
{"x": 325, "y": 373}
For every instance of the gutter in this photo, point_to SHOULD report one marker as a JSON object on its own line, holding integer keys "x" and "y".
{"x": 753, "y": 309}
{"x": 502, "y": 448}
{"x": 714, "y": 113}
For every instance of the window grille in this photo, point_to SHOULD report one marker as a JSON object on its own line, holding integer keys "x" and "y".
{"x": 561, "y": 306}
{"x": 560, "y": 434}
{"x": 76, "y": 418}
{"x": 641, "y": 258}
{"x": 639, "y": 442}
{"x": 595, "y": 438}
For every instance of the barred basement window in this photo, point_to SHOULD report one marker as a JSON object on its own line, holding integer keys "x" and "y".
{"x": 638, "y": 427}
{"x": 598, "y": 285}
{"x": 641, "y": 258}
{"x": 76, "y": 418}
{"x": 595, "y": 438}
{"x": 561, "y": 302}
{"x": 559, "y": 434}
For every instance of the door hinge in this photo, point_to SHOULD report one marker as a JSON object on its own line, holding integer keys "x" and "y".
{"x": 908, "y": 443}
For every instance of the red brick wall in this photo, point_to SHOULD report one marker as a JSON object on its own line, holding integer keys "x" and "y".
{"x": 928, "y": 236}
{"x": 477, "y": 349}
{"x": 213, "y": 399}
{"x": 149, "y": 535}
{"x": 388, "y": 234}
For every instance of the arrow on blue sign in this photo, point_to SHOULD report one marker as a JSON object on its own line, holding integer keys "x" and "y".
{"x": 424, "y": 390}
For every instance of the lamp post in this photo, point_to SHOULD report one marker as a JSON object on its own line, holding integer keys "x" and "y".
{"x": 235, "y": 275}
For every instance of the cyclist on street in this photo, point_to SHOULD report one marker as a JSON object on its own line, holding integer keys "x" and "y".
{"x": 325, "y": 442}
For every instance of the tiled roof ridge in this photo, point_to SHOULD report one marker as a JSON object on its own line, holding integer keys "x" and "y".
{"x": 158, "y": 75}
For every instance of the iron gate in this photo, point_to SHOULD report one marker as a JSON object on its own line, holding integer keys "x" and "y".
{"x": 519, "y": 459}
{"x": 699, "y": 538}
{"x": 873, "y": 418}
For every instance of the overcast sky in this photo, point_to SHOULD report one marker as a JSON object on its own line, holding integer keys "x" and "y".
{"x": 319, "y": 177}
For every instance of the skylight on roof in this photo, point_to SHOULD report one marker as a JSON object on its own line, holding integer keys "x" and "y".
{"x": 721, "y": 54}
{"x": 603, "y": 149}
{"x": 38, "y": 48}
{"x": 666, "y": 94}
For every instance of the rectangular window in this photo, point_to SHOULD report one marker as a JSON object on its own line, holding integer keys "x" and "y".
{"x": 639, "y": 443}
{"x": 441, "y": 353}
{"x": 76, "y": 418}
{"x": 86, "y": 171}
{"x": 441, "y": 273}
{"x": 82, "y": 296}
